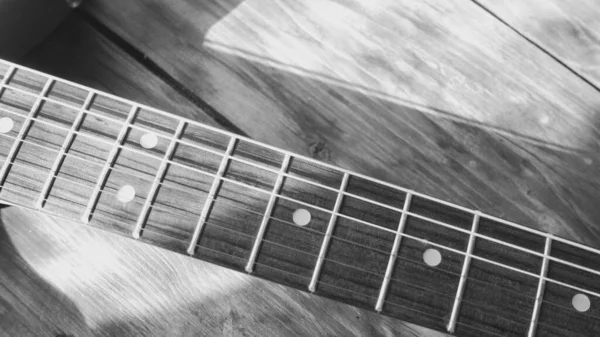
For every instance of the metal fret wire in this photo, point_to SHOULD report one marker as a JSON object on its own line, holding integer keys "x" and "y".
{"x": 7, "y": 77}
{"x": 575, "y": 244}
{"x": 345, "y": 193}
{"x": 540, "y": 291}
{"x": 211, "y": 195}
{"x": 312, "y": 287}
{"x": 279, "y": 244}
{"x": 392, "y": 260}
{"x": 160, "y": 174}
{"x": 284, "y": 271}
{"x": 110, "y": 161}
{"x": 358, "y": 175}
{"x": 270, "y": 267}
{"x": 28, "y": 120}
{"x": 386, "y": 229}
{"x": 109, "y": 192}
{"x": 63, "y": 149}
{"x": 463, "y": 276}
{"x": 263, "y": 226}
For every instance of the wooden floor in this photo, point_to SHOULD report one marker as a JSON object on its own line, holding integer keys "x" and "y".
{"x": 489, "y": 104}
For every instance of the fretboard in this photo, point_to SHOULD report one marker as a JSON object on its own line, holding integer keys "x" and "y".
{"x": 113, "y": 164}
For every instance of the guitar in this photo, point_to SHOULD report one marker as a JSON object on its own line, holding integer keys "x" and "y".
{"x": 80, "y": 154}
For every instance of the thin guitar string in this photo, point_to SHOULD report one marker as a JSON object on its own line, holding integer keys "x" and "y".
{"x": 337, "y": 169}
{"x": 465, "y": 231}
{"x": 406, "y": 235}
{"x": 232, "y": 204}
{"x": 267, "y": 266}
{"x": 309, "y": 205}
{"x": 123, "y": 146}
{"x": 294, "y": 274}
{"x": 278, "y": 244}
{"x": 515, "y": 226}
{"x": 321, "y": 164}
{"x": 345, "y": 193}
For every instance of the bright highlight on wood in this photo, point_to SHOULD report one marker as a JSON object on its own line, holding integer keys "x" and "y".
{"x": 581, "y": 302}
{"x": 432, "y": 257}
{"x": 149, "y": 140}
{"x": 301, "y": 217}
{"x": 126, "y": 193}
{"x": 6, "y": 124}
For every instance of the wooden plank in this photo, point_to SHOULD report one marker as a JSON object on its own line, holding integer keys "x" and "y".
{"x": 509, "y": 130}
{"x": 77, "y": 52}
{"x": 566, "y": 30}
{"x": 85, "y": 282}
{"x": 524, "y": 145}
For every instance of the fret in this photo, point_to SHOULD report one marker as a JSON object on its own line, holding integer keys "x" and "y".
{"x": 540, "y": 292}
{"x": 393, "y": 254}
{"x": 107, "y": 166}
{"x": 490, "y": 270}
{"x": 10, "y": 157}
{"x": 463, "y": 276}
{"x": 28, "y": 81}
{"x": 65, "y": 147}
{"x": 261, "y": 231}
{"x": 7, "y": 76}
{"x": 159, "y": 177}
{"x": 321, "y": 258}
{"x": 558, "y": 317}
{"x": 496, "y": 299}
{"x": 211, "y": 196}
{"x": 229, "y": 231}
{"x": 69, "y": 94}
{"x": 291, "y": 244}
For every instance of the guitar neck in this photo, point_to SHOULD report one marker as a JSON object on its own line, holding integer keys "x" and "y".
{"x": 113, "y": 164}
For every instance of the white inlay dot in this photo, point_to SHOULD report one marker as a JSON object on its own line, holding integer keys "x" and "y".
{"x": 149, "y": 140}
{"x": 432, "y": 257}
{"x": 126, "y": 193}
{"x": 301, "y": 217}
{"x": 6, "y": 124}
{"x": 581, "y": 302}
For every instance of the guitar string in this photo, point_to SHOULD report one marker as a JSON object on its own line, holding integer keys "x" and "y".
{"x": 351, "y": 218}
{"x": 441, "y": 246}
{"x": 340, "y": 263}
{"x": 441, "y": 223}
{"x": 322, "y": 209}
{"x": 149, "y": 230}
{"x": 509, "y": 224}
{"x": 219, "y": 202}
{"x": 316, "y": 162}
{"x": 504, "y": 243}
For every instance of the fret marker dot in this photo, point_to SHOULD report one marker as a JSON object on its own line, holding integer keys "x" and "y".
{"x": 581, "y": 302}
{"x": 149, "y": 140}
{"x": 6, "y": 124}
{"x": 126, "y": 193}
{"x": 432, "y": 257}
{"x": 301, "y": 217}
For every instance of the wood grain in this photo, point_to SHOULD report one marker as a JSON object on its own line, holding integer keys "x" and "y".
{"x": 568, "y": 31}
{"x": 259, "y": 231}
{"x": 518, "y": 139}
{"x": 502, "y": 147}
{"x": 184, "y": 300}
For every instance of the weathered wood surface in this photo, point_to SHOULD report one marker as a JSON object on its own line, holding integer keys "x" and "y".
{"x": 66, "y": 264}
{"x": 568, "y": 31}
{"x": 517, "y": 137}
